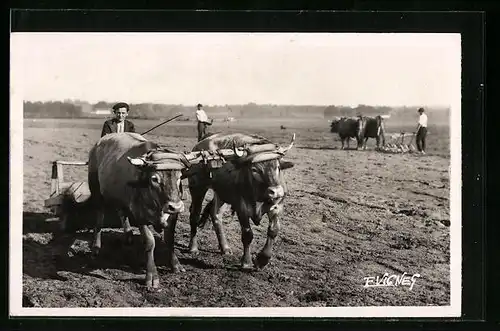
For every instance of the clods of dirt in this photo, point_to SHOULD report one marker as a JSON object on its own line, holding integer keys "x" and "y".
{"x": 404, "y": 241}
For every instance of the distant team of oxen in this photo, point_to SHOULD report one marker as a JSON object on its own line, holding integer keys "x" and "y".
{"x": 141, "y": 180}
{"x": 360, "y": 128}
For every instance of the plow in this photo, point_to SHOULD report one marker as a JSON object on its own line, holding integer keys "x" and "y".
{"x": 397, "y": 144}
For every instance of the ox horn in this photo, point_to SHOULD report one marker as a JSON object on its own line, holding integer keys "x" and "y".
{"x": 283, "y": 151}
{"x": 237, "y": 152}
{"x": 139, "y": 162}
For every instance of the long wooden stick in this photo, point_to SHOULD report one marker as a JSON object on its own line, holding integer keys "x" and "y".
{"x": 171, "y": 119}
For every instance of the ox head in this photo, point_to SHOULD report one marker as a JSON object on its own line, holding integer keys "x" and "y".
{"x": 334, "y": 126}
{"x": 262, "y": 165}
{"x": 159, "y": 187}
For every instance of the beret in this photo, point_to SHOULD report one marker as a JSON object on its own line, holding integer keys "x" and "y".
{"x": 199, "y": 105}
{"x": 121, "y": 105}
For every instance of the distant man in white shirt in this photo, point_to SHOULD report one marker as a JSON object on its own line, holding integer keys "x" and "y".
{"x": 203, "y": 122}
{"x": 421, "y": 130}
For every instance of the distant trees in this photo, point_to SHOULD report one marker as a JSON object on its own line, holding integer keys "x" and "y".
{"x": 365, "y": 110}
{"x": 52, "y": 109}
{"x": 154, "y": 111}
{"x": 77, "y": 108}
{"x": 103, "y": 105}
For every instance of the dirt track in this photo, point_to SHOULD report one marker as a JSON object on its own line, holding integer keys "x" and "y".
{"x": 350, "y": 214}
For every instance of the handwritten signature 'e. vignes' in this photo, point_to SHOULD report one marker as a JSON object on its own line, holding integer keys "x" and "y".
{"x": 391, "y": 280}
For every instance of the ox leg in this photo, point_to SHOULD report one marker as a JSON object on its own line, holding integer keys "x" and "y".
{"x": 272, "y": 231}
{"x": 246, "y": 238}
{"x": 96, "y": 244}
{"x": 152, "y": 279}
{"x": 169, "y": 235}
{"x": 216, "y": 213}
{"x": 197, "y": 195}
{"x": 127, "y": 229}
{"x": 348, "y": 142}
{"x": 364, "y": 143}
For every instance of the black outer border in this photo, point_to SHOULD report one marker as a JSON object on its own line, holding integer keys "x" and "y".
{"x": 469, "y": 24}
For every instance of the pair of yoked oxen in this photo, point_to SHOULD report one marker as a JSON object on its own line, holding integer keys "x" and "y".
{"x": 142, "y": 181}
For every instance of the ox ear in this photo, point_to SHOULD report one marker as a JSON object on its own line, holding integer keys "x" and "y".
{"x": 286, "y": 165}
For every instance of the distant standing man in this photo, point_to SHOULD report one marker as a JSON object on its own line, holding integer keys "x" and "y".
{"x": 119, "y": 123}
{"x": 421, "y": 130}
{"x": 203, "y": 122}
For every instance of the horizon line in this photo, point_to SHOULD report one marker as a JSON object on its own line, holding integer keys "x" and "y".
{"x": 208, "y": 105}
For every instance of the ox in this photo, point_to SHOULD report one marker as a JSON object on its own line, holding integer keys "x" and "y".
{"x": 347, "y": 128}
{"x": 142, "y": 182}
{"x": 253, "y": 185}
{"x": 373, "y": 127}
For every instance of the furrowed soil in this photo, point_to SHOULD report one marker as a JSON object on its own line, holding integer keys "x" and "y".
{"x": 350, "y": 214}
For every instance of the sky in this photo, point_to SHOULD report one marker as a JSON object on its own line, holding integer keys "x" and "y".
{"x": 236, "y": 68}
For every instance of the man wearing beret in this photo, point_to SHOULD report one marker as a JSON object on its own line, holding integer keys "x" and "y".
{"x": 118, "y": 124}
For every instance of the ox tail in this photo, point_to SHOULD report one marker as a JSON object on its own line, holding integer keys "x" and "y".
{"x": 205, "y": 215}
{"x": 360, "y": 128}
{"x": 379, "y": 124}
{"x": 380, "y": 128}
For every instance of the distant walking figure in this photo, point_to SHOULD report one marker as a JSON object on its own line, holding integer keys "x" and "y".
{"x": 203, "y": 122}
{"x": 118, "y": 124}
{"x": 421, "y": 130}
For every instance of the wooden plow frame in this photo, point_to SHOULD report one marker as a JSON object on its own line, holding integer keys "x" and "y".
{"x": 398, "y": 147}
{"x": 60, "y": 190}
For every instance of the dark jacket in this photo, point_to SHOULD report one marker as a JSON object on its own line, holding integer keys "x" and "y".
{"x": 110, "y": 126}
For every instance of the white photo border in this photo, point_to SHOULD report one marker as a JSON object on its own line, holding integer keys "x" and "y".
{"x": 16, "y": 250}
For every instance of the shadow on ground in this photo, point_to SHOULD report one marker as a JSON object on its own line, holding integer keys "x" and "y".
{"x": 36, "y": 223}
{"x": 47, "y": 257}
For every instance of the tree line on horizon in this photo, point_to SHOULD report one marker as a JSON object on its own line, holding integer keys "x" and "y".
{"x": 82, "y": 109}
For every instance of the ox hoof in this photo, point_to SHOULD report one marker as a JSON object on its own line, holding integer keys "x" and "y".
{"x": 178, "y": 268}
{"x": 261, "y": 261}
{"x": 247, "y": 267}
{"x": 193, "y": 246}
{"x": 246, "y": 264}
{"x": 226, "y": 251}
{"x": 152, "y": 284}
